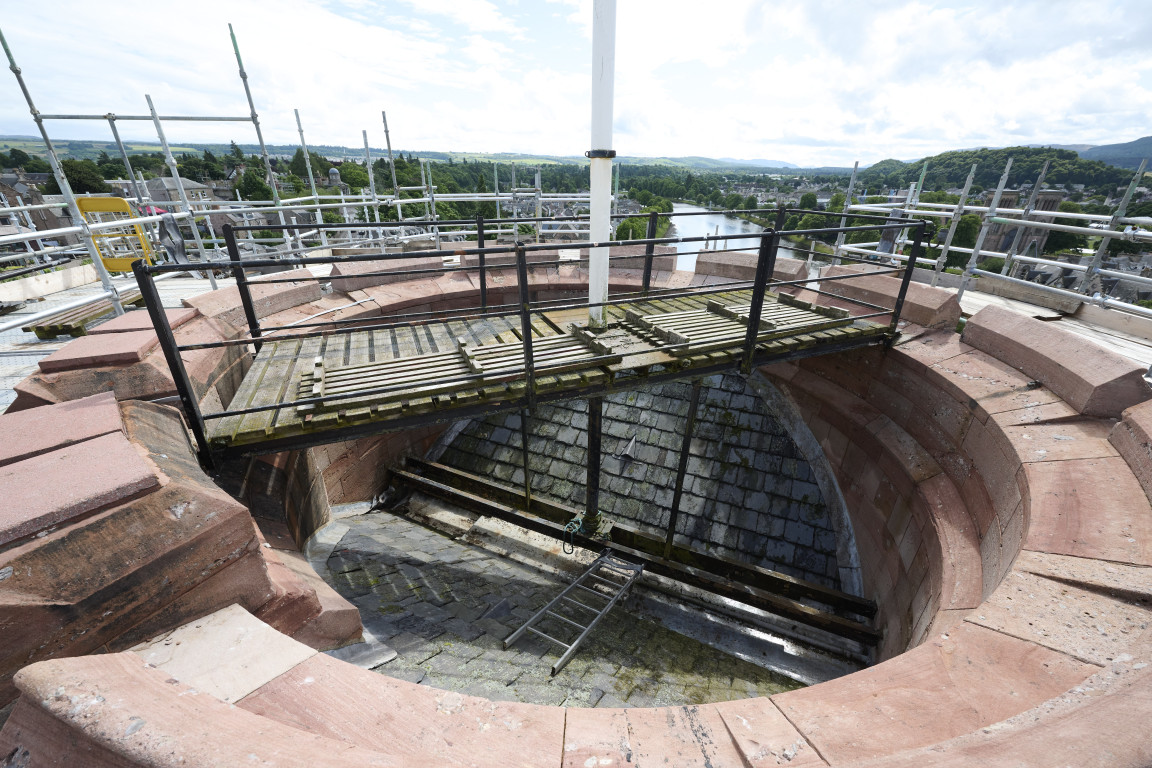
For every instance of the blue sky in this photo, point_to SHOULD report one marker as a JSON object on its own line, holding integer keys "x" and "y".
{"x": 814, "y": 83}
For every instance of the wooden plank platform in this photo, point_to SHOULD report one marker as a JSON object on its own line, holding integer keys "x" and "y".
{"x": 73, "y": 321}
{"x": 434, "y": 369}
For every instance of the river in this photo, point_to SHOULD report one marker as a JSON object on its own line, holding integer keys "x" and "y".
{"x": 707, "y": 224}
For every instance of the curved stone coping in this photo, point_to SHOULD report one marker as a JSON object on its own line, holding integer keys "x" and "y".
{"x": 1034, "y": 538}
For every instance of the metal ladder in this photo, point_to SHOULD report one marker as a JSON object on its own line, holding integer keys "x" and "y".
{"x": 590, "y": 582}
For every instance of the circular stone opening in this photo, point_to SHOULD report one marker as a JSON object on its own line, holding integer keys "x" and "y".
{"x": 444, "y": 587}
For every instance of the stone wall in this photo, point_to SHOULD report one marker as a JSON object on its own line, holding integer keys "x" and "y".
{"x": 749, "y": 494}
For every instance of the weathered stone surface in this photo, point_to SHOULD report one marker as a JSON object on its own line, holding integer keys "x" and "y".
{"x": 764, "y": 736}
{"x": 1093, "y": 380}
{"x": 358, "y": 275}
{"x": 951, "y": 685}
{"x": 267, "y": 299}
{"x": 228, "y": 654}
{"x": 682, "y": 736}
{"x": 595, "y": 735}
{"x": 50, "y": 489}
{"x": 114, "y": 705}
{"x": 1089, "y": 609}
{"x": 1103, "y": 726}
{"x": 410, "y": 722}
{"x": 1132, "y": 437}
{"x": 742, "y": 266}
{"x": 923, "y": 305}
{"x": 107, "y": 349}
{"x": 40, "y": 430}
{"x": 1089, "y": 508}
{"x": 87, "y": 584}
{"x": 218, "y": 369}
{"x": 139, "y": 320}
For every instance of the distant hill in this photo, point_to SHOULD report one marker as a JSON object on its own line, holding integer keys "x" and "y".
{"x": 949, "y": 169}
{"x": 763, "y": 163}
{"x": 1127, "y": 155}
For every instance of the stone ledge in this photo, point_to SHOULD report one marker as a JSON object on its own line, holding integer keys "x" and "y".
{"x": 1093, "y": 380}
{"x": 30, "y": 433}
{"x": 923, "y": 305}
{"x": 139, "y": 320}
{"x": 1132, "y": 437}
{"x": 70, "y": 482}
{"x": 92, "y": 351}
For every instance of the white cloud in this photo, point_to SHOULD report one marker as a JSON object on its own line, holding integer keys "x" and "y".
{"x": 819, "y": 82}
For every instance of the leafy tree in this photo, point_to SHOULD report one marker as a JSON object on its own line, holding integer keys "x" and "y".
{"x": 252, "y": 185}
{"x": 967, "y": 229}
{"x": 83, "y": 176}
{"x": 235, "y": 153}
{"x": 353, "y": 174}
{"x": 299, "y": 166}
{"x": 733, "y": 201}
{"x": 808, "y": 201}
{"x": 296, "y": 183}
{"x": 750, "y": 203}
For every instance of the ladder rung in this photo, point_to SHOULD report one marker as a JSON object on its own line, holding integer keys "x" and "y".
{"x": 582, "y": 605}
{"x": 566, "y": 619}
{"x": 535, "y": 631}
{"x": 606, "y": 581}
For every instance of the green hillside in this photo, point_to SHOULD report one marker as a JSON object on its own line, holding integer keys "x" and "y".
{"x": 950, "y": 169}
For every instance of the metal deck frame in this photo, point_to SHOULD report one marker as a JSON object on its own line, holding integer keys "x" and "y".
{"x": 751, "y": 355}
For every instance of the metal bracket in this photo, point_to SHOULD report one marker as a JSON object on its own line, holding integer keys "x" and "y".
{"x": 596, "y": 153}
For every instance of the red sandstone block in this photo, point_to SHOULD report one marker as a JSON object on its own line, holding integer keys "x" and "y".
{"x": 595, "y": 737}
{"x": 987, "y": 385}
{"x": 961, "y": 576}
{"x": 923, "y": 305}
{"x": 108, "y": 349}
{"x": 1084, "y": 439}
{"x": 142, "y": 716}
{"x": 971, "y": 678}
{"x": 997, "y": 464}
{"x": 267, "y": 299}
{"x": 764, "y": 736}
{"x": 1132, "y": 437}
{"x": 688, "y": 736}
{"x": 39, "y": 430}
{"x": 1090, "y": 728}
{"x": 416, "y": 724}
{"x": 358, "y": 275}
{"x": 52, "y": 488}
{"x": 139, "y": 320}
{"x": 1089, "y": 508}
{"x": 1093, "y": 380}
{"x": 742, "y": 266}
{"x": 925, "y": 350}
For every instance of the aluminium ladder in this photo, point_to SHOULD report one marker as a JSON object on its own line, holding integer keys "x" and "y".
{"x": 589, "y": 582}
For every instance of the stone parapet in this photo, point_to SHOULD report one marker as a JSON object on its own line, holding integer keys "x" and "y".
{"x": 1093, "y": 380}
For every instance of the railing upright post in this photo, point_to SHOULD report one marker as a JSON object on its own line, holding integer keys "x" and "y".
{"x": 591, "y": 522}
{"x": 483, "y": 271}
{"x": 649, "y": 250}
{"x": 909, "y": 268}
{"x": 765, "y": 266}
{"x": 526, "y": 325}
{"x": 682, "y": 468}
{"x": 242, "y": 285}
{"x": 175, "y": 363}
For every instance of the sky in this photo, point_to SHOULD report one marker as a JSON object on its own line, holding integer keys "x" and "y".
{"x": 810, "y": 82}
